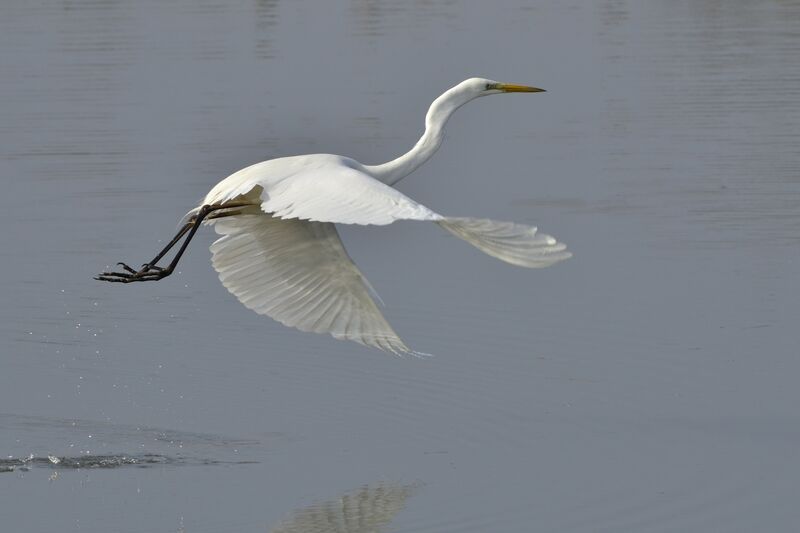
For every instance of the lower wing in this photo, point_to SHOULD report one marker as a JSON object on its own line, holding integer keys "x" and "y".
{"x": 298, "y": 272}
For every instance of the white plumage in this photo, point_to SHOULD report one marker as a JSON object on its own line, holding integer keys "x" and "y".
{"x": 299, "y": 273}
{"x": 280, "y": 253}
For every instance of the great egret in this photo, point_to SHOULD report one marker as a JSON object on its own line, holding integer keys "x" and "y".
{"x": 280, "y": 253}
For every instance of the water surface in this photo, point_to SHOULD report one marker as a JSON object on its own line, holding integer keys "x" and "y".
{"x": 647, "y": 384}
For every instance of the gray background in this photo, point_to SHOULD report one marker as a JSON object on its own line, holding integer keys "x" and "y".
{"x": 647, "y": 384}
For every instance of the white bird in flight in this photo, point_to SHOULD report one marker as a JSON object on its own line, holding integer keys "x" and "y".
{"x": 280, "y": 253}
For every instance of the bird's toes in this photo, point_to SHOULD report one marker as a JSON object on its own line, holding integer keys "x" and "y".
{"x": 147, "y": 267}
{"x": 127, "y": 268}
{"x": 112, "y": 277}
{"x": 123, "y": 275}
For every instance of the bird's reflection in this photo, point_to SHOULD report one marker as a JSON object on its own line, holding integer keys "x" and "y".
{"x": 365, "y": 510}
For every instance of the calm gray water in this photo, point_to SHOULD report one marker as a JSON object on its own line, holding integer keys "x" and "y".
{"x": 649, "y": 384}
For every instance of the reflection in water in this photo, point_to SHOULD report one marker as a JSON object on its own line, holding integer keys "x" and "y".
{"x": 366, "y": 510}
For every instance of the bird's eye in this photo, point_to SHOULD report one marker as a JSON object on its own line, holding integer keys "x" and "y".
{"x": 490, "y": 86}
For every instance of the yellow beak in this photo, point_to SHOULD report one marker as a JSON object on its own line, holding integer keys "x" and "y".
{"x": 511, "y": 88}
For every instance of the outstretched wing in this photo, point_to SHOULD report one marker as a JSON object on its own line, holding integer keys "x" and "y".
{"x": 513, "y": 243}
{"x": 298, "y": 272}
{"x": 340, "y": 194}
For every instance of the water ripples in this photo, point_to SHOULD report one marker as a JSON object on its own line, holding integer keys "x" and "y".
{"x": 70, "y": 444}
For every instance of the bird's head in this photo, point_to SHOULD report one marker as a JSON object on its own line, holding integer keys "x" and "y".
{"x": 483, "y": 87}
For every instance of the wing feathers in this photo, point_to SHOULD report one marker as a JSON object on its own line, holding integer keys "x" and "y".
{"x": 342, "y": 195}
{"x": 513, "y": 243}
{"x": 288, "y": 262}
{"x": 299, "y": 273}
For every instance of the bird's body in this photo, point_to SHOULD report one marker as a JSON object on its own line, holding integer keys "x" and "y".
{"x": 318, "y": 187}
{"x": 280, "y": 253}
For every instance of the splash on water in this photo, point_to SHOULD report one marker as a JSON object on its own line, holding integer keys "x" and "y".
{"x": 146, "y": 460}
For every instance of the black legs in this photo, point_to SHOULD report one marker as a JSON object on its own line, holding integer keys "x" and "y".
{"x": 152, "y": 272}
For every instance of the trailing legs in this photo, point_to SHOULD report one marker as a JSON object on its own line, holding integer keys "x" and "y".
{"x": 151, "y": 271}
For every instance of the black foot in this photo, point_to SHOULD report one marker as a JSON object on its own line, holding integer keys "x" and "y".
{"x": 146, "y": 273}
{"x": 127, "y": 268}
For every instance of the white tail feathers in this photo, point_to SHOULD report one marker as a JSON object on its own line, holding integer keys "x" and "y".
{"x": 508, "y": 241}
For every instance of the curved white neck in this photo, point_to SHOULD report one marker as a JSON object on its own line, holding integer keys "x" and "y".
{"x": 437, "y": 116}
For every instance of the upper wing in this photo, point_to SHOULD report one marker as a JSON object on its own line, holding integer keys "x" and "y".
{"x": 299, "y": 273}
{"x": 318, "y": 187}
{"x": 340, "y": 194}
